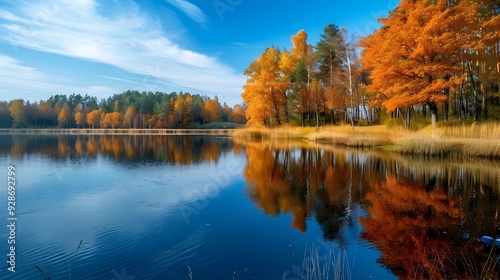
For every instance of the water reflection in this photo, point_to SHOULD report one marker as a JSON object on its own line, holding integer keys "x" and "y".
{"x": 173, "y": 149}
{"x": 307, "y": 182}
{"x": 418, "y": 210}
{"x": 421, "y": 211}
{"x": 417, "y": 230}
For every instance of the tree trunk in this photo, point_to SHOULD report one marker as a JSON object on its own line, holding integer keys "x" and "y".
{"x": 446, "y": 110}
{"x": 286, "y": 109}
{"x": 324, "y": 115}
{"x": 366, "y": 114}
{"x": 277, "y": 113}
{"x": 485, "y": 106}
{"x": 317, "y": 117}
{"x": 405, "y": 117}
{"x": 475, "y": 89}
{"x": 434, "y": 111}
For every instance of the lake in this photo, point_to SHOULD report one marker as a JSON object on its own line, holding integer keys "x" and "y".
{"x": 193, "y": 207}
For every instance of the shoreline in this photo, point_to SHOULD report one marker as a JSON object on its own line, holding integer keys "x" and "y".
{"x": 475, "y": 141}
{"x": 115, "y": 131}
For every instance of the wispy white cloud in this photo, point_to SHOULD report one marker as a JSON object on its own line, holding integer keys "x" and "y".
{"x": 99, "y": 90}
{"x": 30, "y": 82}
{"x": 191, "y": 10}
{"x": 11, "y": 70}
{"x": 126, "y": 38}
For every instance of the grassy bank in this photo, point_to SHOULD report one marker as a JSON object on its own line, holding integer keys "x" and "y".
{"x": 481, "y": 140}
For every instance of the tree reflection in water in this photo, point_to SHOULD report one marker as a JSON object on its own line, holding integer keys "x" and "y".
{"x": 182, "y": 150}
{"x": 305, "y": 181}
{"x": 418, "y": 231}
{"x": 419, "y": 210}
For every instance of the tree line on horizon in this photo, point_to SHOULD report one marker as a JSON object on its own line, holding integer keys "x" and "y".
{"x": 430, "y": 60}
{"x": 130, "y": 109}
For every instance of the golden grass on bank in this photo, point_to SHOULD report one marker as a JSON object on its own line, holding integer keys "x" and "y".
{"x": 369, "y": 136}
{"x": 482, "y": 131}
{"x": 283, "y": 132}
{"x": 449, "y": 147}
{"x": 476, "y": 140}
{"x": 364, "y": 136}
{"x": 471, "y": 141}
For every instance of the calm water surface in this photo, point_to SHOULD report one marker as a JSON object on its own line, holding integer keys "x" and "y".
{"x": 161, "y": 207}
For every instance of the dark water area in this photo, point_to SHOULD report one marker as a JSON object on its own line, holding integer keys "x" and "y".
{"x": 189, "y": 207}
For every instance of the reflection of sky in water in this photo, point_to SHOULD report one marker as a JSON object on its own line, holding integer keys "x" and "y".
{"x": 63, "y": 202}
{"x": 130, "y": 216}
{"x": 102, "y": 194}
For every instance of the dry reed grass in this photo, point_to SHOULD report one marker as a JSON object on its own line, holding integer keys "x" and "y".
{"x": 477, "y": 140}
{"x": 470, "y": 141}
{"x": 283, "y": 132}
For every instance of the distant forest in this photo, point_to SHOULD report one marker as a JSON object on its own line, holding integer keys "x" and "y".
{"x": 130, "y": 109}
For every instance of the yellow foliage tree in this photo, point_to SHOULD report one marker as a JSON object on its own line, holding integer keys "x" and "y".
{"x": 64, "y": 116}
{"x": 17, "y": 111}
{"x": 130, "y": 118}
{"x": 265, "y": 89}
{"x": 80, "y": 119}
{"x": 211, "y": 110}
{"x": 105, "y": 121}
{"x": 115, "y": 119}
{"x": 238, "y": 115}
{"x": 94, "y": 118}
{"x": 182, "y": 109}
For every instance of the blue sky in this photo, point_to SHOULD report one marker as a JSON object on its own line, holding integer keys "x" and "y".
{"x": 100, "y": 48}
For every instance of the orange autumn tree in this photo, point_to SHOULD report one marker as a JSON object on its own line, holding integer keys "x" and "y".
{"x": 94, "y": 118}
{"x": 130, "y": 117}
{"x": 211, "y": 110}
{"x": 414, "y": 58}
{"x": 238, "y": 115}
{"x": 317, "y": 96}
{"x": 80, "y": 118}
{"x": 481, "y": 57}
{"x": 265, "y": 89}
{"x": 116, "y": 119}
{"x": 182, "y": 109}
{"x": 64, "y": 116}
{"x": 303, "y": 73}
{"x": 104, "y": 121}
